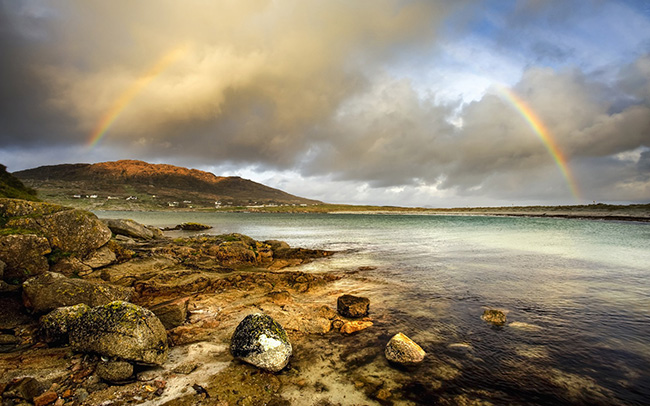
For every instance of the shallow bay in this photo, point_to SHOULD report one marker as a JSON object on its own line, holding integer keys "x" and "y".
{"x": 576, "y": 293}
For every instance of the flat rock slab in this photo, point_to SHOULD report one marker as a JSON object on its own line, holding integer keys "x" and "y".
{"x": 51, "y": 290}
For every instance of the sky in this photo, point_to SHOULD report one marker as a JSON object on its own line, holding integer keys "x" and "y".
{"x": 426, "y": 103}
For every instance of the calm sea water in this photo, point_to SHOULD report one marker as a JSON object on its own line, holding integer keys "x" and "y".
{"x": 577, "y": 294}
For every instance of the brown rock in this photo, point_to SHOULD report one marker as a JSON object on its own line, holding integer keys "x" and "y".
{"x": 280, "y": 297}
{"x": 402, "y": 350}
{"x": 171, "y": 313}
{"x": 51, "y": 290}
{"x": 494, "y": 316}
{"x": 129, "y": 228}
{"x": 353, "y": 306}
{"x": 23, "y": 255}
{"x": 327, "y": 312}
{"x": 354, "y": 326}
{"x": 114, "y": 371}
{"x": 71, "y": 266}
{"x": 46, "y": 398}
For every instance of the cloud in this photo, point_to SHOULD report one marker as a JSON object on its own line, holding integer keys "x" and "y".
{"x": 372, "y": 98}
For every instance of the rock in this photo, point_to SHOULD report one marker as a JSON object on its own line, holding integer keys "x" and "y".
{"x": 55, "y": 325}
{"x": 186, "y": 368}
{"x": 121, "y": 330}
{"x": 494, "y": 316}
{"x": 156, "y": 232}
{"x": 71, "y": 231}
{"x": 129, "y": 228}
{"x": 51, "y": 290}
{"x": 277, "y": 245}
{"x": 24, "y": 256}
{"x": 193, "y": 227}
{"x": 9, "y": 343}
{"x": 350, "y": 327}
{"x": 261, "y": 341}
{"x": 100, "y": 258}
{"x": 280, "y": 297}
{"x": 402, "y": 350}
{"x": 114, "y": 371}
{"x": 352, "y": 306}
{"x": 327, "y": 312}
{"x": 172, "y": 313}
{"x": 318, "y": 325}
{"x": 46, "y": 398}
{"x": 2, "y": 269}
{"x": 71, "y": 266}
{"x": 26, "y": 388}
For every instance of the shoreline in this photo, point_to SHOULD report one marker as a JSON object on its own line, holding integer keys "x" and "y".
{"x": 572, "y": 216}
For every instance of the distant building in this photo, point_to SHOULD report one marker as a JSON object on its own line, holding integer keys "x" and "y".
{"x": 172, "y": 204}
{"x": 93, "y": 196}
{"x": 132, "y": 198}
{"x": 77, "y": 196}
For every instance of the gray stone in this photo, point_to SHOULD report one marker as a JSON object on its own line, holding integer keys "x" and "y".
{"x": 121, "y": 330}
{"x": 402, "y": 350}
{"x": 26, "y": 388}
{"x": 114, "y": 371}
{"x": 353, "y": 306}
{"x": 261, "y": 341}
{"x": 24, "y": 256}
{"x": 129, "y": 228}
{"x": 100, "y": 258}
{"x": 51, "y": 290}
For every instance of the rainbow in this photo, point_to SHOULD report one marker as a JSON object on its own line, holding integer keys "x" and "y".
{"x": 542, "y": 132}
{"x": 129, "y": 94}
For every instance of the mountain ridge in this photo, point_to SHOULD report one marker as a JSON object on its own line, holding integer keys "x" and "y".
{"x": 145, "y": 184}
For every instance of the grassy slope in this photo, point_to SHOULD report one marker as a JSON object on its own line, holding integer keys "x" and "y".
{"x": 13, "y": 188}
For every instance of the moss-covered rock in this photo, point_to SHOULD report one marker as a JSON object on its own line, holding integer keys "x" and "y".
{"x": 24, "y": 256}
{"x": 51, "y": 290}
{"x": 114, "y": 371}
{"x": 54, "y": 326}
{"x": 494, "y": 316}
{"x": 261, "y": 341}
{"x": 76, "y": 232}
{"x": 121, "y": 330}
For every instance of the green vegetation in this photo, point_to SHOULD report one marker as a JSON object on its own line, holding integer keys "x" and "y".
{"x": 12, "y": 187}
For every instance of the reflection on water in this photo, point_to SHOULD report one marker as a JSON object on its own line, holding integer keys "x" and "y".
{"x": 577, "y": 295}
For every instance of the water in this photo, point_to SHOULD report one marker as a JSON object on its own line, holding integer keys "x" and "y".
{"x": 577, "y": 294}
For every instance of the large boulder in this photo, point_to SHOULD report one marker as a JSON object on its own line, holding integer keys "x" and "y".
{"x": 69, "y": 230}
{"x": 129, "y": 228}
{"x": 54, "y": 326}
{"x": 402, "y": 350}
{"x": 121, "y": 330}
{"x": 24, "y": 256}
{"x": 51, "y": 290}
{"x": 353, "y": 306}
{"x": 261, "y": 341}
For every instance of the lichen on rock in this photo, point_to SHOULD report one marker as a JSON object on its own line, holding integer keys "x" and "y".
{"x": 402, "y": 350}
{"x": 121, "y": 330}
{"x": 261, "y": 341}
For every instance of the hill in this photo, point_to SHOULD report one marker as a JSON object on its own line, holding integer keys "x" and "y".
{"x": 12, "y": 187}
{"x": 137, "y": 185}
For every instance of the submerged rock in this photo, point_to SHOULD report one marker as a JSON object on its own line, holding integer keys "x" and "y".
{"x": 350, "y": 327}
{"x": 55, "y": 325}
{"x": 52, "y": 290}
{"x": 402, "y": 350}
{"x": 121, "y": 330}
{"x": 494, "y": 316}
{"x": 261, "y": 341}
{"x": 353, "y": 306}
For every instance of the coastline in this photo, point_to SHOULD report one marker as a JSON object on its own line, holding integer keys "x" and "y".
{"x": 565, "y": 215}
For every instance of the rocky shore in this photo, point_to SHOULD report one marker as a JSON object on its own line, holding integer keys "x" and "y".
{"x": 114, "y": 312}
